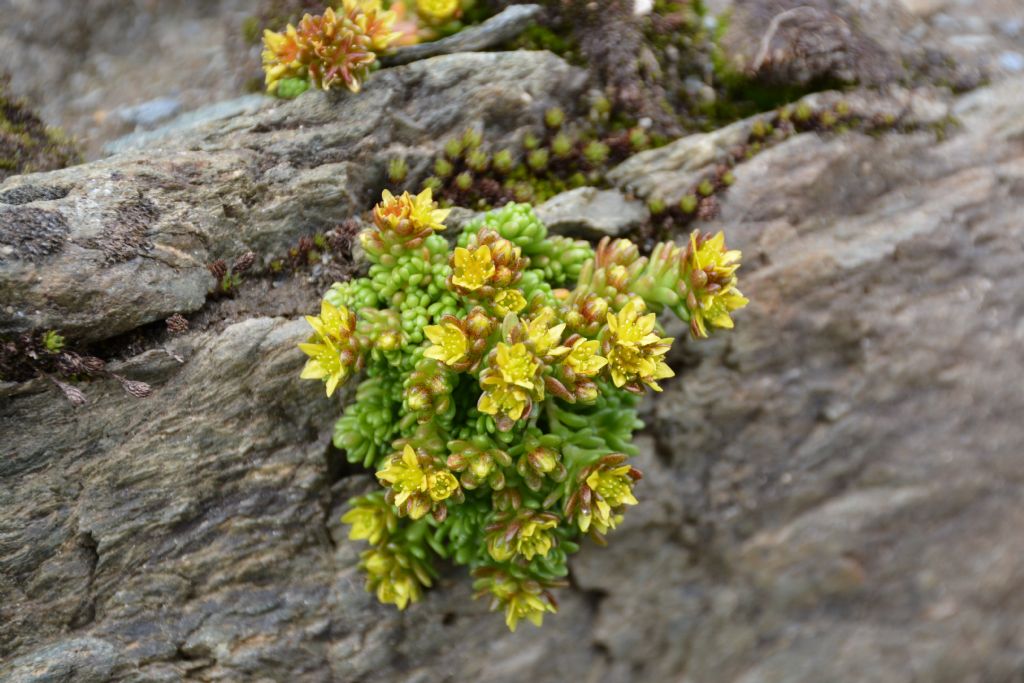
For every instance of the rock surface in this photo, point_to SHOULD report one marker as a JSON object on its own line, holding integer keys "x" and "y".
{"x": 83, "y": 63}
{"x": 836, "y": 477}
{"x": 670, "y": 172}
{"x": 590, "y": 213}
{"x": 805, "y": 42}
{"x": 832, "y": 491}
{"x": 500, "y": 28}
{"x": 103, "y": 248}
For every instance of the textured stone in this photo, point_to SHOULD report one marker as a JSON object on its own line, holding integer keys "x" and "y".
{"x": 847, "y": 448}
{"x": 672, "y": 171}
{"x": 141, "y": 228}
{"x": 186, "y": 123}
{"x": 591, "y": 213}
{"x": 799, "y": 42}
{"x": 81, "y": 63}
{"x": 831, "y": 491}
{"x": 499, "y": 29}
{"x": 810, "y": 42}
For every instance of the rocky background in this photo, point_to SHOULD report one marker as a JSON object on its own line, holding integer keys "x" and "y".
{"x": 833, "y": 492}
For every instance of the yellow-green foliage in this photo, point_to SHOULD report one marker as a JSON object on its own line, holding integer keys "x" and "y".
{"x": 500, "y": 389}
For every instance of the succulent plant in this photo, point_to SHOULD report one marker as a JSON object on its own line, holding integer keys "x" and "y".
{"x": 500, "y": 390}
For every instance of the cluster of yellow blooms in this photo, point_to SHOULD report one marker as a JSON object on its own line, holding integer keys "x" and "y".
{"x": 501, "y": 406}
{"x": 417, "y": 486}
{"x": 337, "y": 47}
{"x": 340, "y": 46}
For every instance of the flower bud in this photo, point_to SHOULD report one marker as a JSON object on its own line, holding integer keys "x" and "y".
{"x": 595, "y": 308}
{"x": 543, "y": 459}
{"x": 586, "y": 391}
{"x": 479, "y": 324}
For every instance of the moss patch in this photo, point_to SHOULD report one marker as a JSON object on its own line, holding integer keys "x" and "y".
{"x": 26, "y": 144}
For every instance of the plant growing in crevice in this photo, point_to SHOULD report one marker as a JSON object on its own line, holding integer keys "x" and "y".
{"x": 327, "y": 254}
{"x": 499, "y": 388}
{"x": 702, "y": 200}
{"x": 50, "y": 356}
{"x": 558, "y": 156}
{"x": 227, "y": 279}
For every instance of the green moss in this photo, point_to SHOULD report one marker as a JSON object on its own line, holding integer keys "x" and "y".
{"x": 27, "y": 145}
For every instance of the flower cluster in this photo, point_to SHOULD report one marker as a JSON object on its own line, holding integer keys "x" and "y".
{"x": 335, "y": 48}
{"x": 501, "y": 379}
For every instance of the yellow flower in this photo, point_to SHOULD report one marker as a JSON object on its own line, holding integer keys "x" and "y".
{"x": 712, "y": 276}
{"x": 510, "y": 382}
{"x": 332, "y": 352}
{"x": 396, "y": 577}
{"x": 328, "y": 48}
{"x": 584, "y": 360}
{"x": 420, "y": 212}
{"x": 472, "y": 270}
{"x": 527, "y": 606}
{"x": 503, "y": 399}
{"x": 516, "y": 365}
{"x": 324, "y": 363}
{"x": 604, "y": 488}
{"x": 629, "y": 327}
{"x": 509, "y": 301}
{"x": 613, "y": 488}
{"x": 441, "y": 485}
{"x": 370, "y": 519}
{"x": 333, "y": 323}
{"x": 449, "y": 343}
{"x": 419, "y": 486}
{"x": 521, "y": 598}
{"x": 530, "y": 537}
{"x": 405, "y": 475}
{"x": 281, "y": 56}
{"x": 543, "y": 338}
{"x": 437, "y": 11}
{"x": 636, "y": 353}
{"x": 373, "y": 21}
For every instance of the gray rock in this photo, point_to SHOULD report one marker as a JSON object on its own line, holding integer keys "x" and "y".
{"x": 129, "y": 240}
{"x": 76, "y": 660}
{"x": 843, "y": 452}
{"x": 1013, "y": 62}
{"x": 672, "y": 171}
{"x": 499, "y": 29}
{"x": 830, "y": 493}
{"x": 784, "y": 41}
{"x": 149, "y": 114}
{"x": 81, "y": 63}
{"x": 188, "y": 122}
{"x": 828, "y": 490}
{"x": 590, "y": 213}
{"x": 809, "y": 42}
